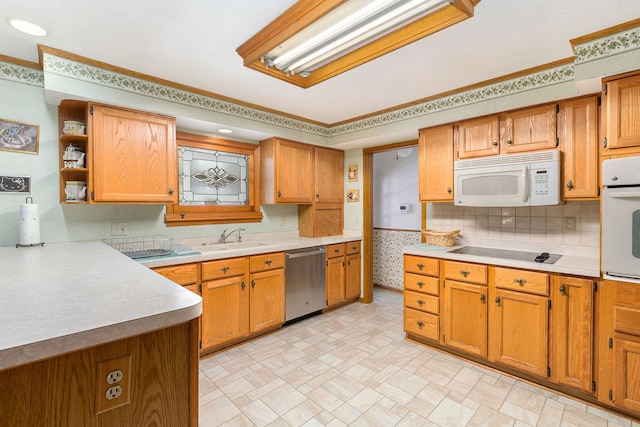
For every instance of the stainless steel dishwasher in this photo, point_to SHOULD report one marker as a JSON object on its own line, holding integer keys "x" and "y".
{"x": 305, "y": 287}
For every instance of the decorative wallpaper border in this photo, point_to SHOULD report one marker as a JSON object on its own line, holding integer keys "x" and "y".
{"x": 621, "y": 42}
{"x": 604, "y": 47}
{"x": 21, "y": 74}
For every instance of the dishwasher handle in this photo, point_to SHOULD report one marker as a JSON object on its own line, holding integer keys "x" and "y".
{"x": 312, "y": 252}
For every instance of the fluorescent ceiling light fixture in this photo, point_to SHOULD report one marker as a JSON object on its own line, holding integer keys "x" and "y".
{"x": 317, "y": 39}
{"x": 225, "y": 130}
{"x": 28, "y": 27}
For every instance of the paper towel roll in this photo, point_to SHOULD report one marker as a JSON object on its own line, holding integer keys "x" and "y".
{"x": 29, "y": 224}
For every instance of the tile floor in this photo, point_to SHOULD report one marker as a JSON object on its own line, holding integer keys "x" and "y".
{"x": 352, "y": 367}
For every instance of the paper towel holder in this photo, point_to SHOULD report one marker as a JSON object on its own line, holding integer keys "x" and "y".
{"x": 29, "y": 200}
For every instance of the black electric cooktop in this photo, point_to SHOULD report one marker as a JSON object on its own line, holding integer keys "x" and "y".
{"x": 543, "y": 257}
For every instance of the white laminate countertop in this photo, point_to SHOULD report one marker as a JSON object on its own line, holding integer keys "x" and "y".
{"x": 574, "y": 261}
{"x": 63, "y": 297}
{"x": 274, "y": 242}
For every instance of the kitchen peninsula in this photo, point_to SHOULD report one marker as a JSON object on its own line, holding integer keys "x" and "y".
{"x": 66, "y": 308}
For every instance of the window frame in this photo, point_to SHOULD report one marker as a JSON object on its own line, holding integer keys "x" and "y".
{"x": 178, "y": 215}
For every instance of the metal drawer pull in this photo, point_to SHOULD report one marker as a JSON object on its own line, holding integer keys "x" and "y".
{"x": 465, "y": 273}
{"x": 563, "y": 289}
{"x": 243, "y": 286}
{"x": 494, "y": 143}
{"x": 268, "y": 262}
{"x": 420, "y": 324}
{"x": 420, "y": 266}
{"x": 420, "y": 302}
{"x": 253, "y": 283}
{"x": 224, "y": 269}
{"x": 498, "y": 301}
{"x": 483, "y": 298}
{"x": 520, "y": 282}
{"x": 420, "y": 284}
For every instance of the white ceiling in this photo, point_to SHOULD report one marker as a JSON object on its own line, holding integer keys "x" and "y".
{"x": 193, "y": 42}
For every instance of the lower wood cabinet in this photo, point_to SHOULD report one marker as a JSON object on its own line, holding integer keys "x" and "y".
{"x": 465, "y": 317}
{"x": 266, "y": 300}
{"x": 422, "y": 297}
{"x": 343, "y": 273}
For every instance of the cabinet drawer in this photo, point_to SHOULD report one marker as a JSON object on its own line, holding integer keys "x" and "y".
{"x": 421, "y": 265}
{"x": 417, "y": 282}
{"x": 337, "y": 250}
{"x": 420, "y": 323}
{"x": 420, "y": 301}
{"x": 353, "y": 247}
{"x": 627, "y": 320}
{"x": 212, "y": 270}
{"x": 466, "y": 272}
{"x": 523, "y": 281}
{"x": 184, "y": 274}
{"x": 266, "y": 262}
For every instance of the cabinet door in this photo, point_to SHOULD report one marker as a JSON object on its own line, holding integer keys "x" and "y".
{"x": 134, "y": 157}
{"x": 335, "y": 280}
{"x": 621, "y": 112}
{"x": 266, "y": 300}
{"x": 528, "y": 129}
{"x": 626, "y": 393}
{"x": 572, "y": 332}
{"x": 225, "y": 310}
{"x": 329, "y": 175}
{"x": 352, "y": 286}
{"x": 478, "y": 137}
{"x": 294, "y": 172}
{"x": 578, "y": 135}
{"x": 435, "y": 170}
{"x": 465, "y": 317}
{"x": 519, "y": 331}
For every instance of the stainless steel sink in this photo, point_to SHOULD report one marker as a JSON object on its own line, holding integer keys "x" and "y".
{"x": 543, "y": 258}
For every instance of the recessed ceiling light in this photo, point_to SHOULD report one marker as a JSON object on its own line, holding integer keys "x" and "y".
{"x": 225, "y": 130}
{"x": 28, "y": 27}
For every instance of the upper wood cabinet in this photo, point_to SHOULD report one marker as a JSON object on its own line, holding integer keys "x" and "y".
{"x": 435, "y": 169}
{"x": 133, "y": 156}
{"x": 328, "y": 175}
{"x": 528, "y": 129}
{"x": 286, "y": 169}
{"x": 478, "y": 137}
{"x": 578, "y": 137}
{"x": 621, "y": 114}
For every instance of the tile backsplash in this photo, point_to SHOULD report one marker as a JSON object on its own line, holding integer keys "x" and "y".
{"x": 541, "y": 224}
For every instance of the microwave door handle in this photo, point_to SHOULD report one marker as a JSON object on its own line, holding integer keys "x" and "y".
{"x": 525, "y": 184}
{"x": 625, "y": 194}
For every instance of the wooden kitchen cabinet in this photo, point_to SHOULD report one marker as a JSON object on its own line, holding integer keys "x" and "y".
{"x": 286, "y": 170}
{"x": 572, "y": 331}
{"x": 343, "y": 273}
{"x": 464, "y": 318}
{"x": 422, "y": 297}
{"x": 225, "y": 301}
{"x": 578, "y": 138}
{"x": 528, "y": 129}
{"x": 130, "y": 156}
{"x": 325, "y": 216}
{"x": 621, "y": 114}
{"x": 519, "y": 320}
{"x": 328, "y": 175}
{"x": 435, "y": 170}
{"x": 187, "y": 275}
{"x": 478, "y": 137}
{"x": 266, "y": 296}
{"x": 133, "y": 156}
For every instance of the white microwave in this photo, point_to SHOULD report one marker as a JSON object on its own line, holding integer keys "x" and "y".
{"x": 529, "y": 179}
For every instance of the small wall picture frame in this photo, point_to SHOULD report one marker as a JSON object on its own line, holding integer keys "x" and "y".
{"x": 353, "y": 195}
{"x": 19, "y": 137}
{"x": 353, "y": 173}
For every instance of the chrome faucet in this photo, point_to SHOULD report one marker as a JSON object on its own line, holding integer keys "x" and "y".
{"x": 224, "y": 236}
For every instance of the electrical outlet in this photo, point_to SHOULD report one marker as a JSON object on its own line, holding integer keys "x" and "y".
{"x": 570, "y": 223}
{"x": 118, "y": 228}
{"x": 114, "y": 376}
{"x": 113, "y": 383}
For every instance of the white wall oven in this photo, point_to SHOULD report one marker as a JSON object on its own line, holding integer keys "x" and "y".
{"x": 621, "y": 219}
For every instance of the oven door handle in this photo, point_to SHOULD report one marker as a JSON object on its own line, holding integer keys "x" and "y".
{"x": 624, "y": 194}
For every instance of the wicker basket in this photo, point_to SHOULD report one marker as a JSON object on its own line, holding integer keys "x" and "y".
{"x": 440, "y": 238}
